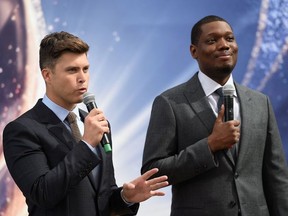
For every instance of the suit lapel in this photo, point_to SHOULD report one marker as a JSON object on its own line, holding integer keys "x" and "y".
{"x": 199, "y": 102}
{"x": 246, "y": 113}
{"x": 61, "y": 132}
{"x": 53, "y": 124}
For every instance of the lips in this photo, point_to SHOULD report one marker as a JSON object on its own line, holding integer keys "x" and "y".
{"x": 82, "y": 90}
{"x": 226, "y": 53}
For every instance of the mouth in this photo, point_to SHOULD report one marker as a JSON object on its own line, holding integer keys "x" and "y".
{"x": 82, "y": 90}
{"x": 224, "y": 55}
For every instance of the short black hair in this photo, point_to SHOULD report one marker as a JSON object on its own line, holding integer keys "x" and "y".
{"x": 196, "y": 30}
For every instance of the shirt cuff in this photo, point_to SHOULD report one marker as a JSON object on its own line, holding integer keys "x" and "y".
{"x": 128, "y": 203}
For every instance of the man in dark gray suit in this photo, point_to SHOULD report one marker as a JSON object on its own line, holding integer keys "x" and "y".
{"x": 58, "y": 174}
{"x": 188, "y": 140}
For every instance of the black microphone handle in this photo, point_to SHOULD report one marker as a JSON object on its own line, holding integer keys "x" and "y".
{"x": 228, "y": 104}
{"x": 105, "y": 140}
{"x": 91, "y": 105}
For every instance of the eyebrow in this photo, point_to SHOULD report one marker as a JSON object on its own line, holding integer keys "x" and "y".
{"x": 71, "y": 67}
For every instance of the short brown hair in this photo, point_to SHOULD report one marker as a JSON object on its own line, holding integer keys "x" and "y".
{"x": 55, "y": 44}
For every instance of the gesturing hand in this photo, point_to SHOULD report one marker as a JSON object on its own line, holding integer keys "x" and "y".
{"x": 141, "y": 189}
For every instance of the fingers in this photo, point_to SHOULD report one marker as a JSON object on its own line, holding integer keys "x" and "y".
{"x": 152, "y": 184}
{"x": 237, "y": 137}
{"x": 159, "y": 181}
{"x": 141, "y": 189}
{"x": 159, "y": 185}
{"x": 157, "y": 193}
{"x": 97, "y": 116}
{"x": 149, "y": 173}
{"x": 237, "y": 131}
{"x": 95, "y": 125}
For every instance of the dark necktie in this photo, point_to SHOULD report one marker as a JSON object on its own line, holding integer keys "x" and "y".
{"x": 219, "y": 91}
{"x": 71, "y": 118}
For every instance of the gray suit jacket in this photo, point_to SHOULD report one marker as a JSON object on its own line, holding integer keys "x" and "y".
{"x": 205, "y": 184}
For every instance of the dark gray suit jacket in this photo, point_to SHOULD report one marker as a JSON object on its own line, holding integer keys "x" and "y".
{"x": 205, "y": 184}
{"x": 54, "y": 172}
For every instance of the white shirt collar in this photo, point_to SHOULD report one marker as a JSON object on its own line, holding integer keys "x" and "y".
{"x": 210, "y": 86}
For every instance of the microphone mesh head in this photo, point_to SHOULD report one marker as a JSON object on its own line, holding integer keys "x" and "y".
{"x": 88, "y": 97}
{"x": 228, "y": 90}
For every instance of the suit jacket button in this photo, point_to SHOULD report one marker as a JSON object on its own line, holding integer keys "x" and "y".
{"x": 236, "y": 175}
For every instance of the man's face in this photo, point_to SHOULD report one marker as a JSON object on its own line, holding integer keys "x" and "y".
{"x": 68, "y": 80}
{"x": 216, "y": 51}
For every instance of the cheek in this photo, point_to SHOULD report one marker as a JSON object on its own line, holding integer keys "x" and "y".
{"x": 87, "y": 79}
{"x": 63, "y": 83}
{"x": 235, "y": 51}
{"x": 208, "y": 51}
{"x": 234, "y": 47}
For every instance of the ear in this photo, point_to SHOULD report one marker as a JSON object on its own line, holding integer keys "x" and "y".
{"x": 193, "y": 51}
{"x": 46, "y": 74}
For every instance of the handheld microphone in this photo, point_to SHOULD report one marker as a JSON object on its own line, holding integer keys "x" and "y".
{"x": 89, "y": 101}
{"x": 228, "y": 100}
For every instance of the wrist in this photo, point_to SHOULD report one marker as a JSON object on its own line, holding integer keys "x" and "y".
{"x": 124, "y": 198}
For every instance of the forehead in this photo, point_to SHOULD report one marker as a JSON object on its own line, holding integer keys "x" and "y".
{"x": 69, "y": 58}
{"x": 216, "y": 27}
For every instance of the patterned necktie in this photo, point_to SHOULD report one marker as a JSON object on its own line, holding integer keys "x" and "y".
{"x": 71, "y": 118}
{"x": 219, "y": 91}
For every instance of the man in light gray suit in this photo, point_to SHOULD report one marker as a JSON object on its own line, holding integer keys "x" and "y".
{"x": 188, "y": 140}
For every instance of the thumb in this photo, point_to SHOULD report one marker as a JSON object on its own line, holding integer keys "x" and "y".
{"x": 220, "y": 114}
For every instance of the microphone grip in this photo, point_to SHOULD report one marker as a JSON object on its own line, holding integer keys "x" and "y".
{"x": 91, "y": 106}
{"x": 228, "y": 104}
{"x": 106, "y": 143}
{"x": 105, "y": 140}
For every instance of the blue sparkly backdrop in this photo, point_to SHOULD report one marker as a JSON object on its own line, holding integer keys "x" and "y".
{"x": 137, "y": 50}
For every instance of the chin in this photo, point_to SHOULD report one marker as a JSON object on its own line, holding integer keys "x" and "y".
{"x": 80, "y": 100}
{"x": 227, "y": 69}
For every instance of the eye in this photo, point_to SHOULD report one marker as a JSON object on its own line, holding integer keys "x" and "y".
{"x": 72, "y": 70}
{"x": 210, "y": 40}
{"x": 86, "y": 69}
{"x": 230, "y": 38}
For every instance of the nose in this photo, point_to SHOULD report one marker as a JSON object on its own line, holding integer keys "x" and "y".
{"x": 82, "y": 76}
{"x": 223, "y": 44}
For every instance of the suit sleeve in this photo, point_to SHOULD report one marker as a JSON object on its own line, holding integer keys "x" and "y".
{"x": 162, "y": 145}
{"x": 275, "y": 173}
